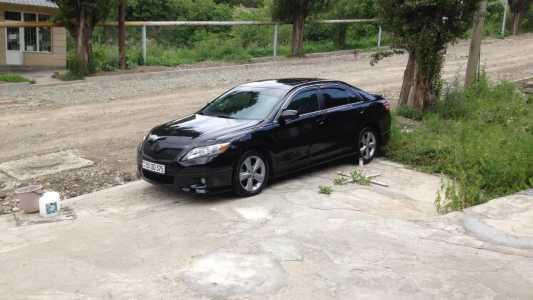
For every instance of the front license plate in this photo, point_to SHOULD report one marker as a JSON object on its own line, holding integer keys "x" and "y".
{"x": 153, "y": 167}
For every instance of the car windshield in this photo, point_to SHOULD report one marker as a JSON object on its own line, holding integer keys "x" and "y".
{"x": 246, "y": 104}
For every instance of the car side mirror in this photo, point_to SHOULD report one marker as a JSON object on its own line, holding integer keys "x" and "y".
{"x": 289, "y": 114}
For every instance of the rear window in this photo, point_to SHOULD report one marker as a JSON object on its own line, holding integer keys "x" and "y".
{"x": 336, "y": 96}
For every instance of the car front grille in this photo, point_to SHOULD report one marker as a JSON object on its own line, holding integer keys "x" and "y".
{"x": 155, "y": 153}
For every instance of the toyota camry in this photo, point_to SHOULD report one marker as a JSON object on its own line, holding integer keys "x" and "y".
{"x": 262, "y": 130}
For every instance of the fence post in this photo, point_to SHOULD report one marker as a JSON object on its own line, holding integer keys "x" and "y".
{"x": 504, "y": 18}
{"x": 380, "y": 32}
{"x": 275, "y": 40}
{"x": 144, "y": 44}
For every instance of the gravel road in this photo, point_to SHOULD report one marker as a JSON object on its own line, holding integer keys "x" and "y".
{"x": 103, "y": 118}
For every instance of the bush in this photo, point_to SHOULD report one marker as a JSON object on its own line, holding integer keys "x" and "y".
{"x": 481, "y": 138}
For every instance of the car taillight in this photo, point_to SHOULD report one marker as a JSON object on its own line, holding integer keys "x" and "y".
{"x": 386, "y": 104}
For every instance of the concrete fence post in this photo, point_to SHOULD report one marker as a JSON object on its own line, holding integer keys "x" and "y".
{"x": 380, "y": 32}
{"x": 275, "y": 40}
{"x": 143, "y": 39}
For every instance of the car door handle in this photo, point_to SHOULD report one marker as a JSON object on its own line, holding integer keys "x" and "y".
{"x": 321, "y": 121}
{"x": 362, "y": 111}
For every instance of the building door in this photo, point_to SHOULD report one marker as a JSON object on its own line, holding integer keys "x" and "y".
{"x": 14, "y": 40}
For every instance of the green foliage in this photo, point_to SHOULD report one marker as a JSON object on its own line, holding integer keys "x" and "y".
{"x": 325, "y": 190}
{"x": 289, "y": 10}
{"x": 520, "y": 6}
{"x": 481, "y": 138}
{"x": 180, "y": 10}
{"x": 245, "y": 3}
{"x": 79, "y": 18}
{"x": 409, "y": 112}
{"x": 8, "y": 77}
{"x": 94, "y": 10}
{"x": 424, "y": 29}
{"x": 355, "y": 177}
{"x": 350, "y": 9}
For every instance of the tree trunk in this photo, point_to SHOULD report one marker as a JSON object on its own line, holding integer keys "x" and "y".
{"x": 298, "y": 36}
{"x": 421, "y": 95}
{"x": 516, "y": 22}
{"x": 122, "y": 34}
{"x": 408, "y": 78}
{"x": 475, "y": 45}
{"x": 340, "y": 36}
{"x": 82, "y": 36}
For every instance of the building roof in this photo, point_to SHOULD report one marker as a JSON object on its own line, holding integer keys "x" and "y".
{"x": 44, "y": 3}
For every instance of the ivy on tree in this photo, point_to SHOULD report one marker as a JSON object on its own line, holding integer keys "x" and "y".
{"x": 295, "y": 12}
{"x": 424, "y": 28}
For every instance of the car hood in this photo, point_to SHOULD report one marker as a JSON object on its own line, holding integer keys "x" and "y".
{"x": 197, "y": 129}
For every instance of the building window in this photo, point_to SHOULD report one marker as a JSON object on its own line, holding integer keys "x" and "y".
{"x": 12, "y": 16}
{"x": 30, "y": 33}
{"x": 35, "y": 39}
{"x": 45, "y": 35}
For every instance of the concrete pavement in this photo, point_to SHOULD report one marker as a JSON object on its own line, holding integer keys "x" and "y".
{"x": 138, "y": 241}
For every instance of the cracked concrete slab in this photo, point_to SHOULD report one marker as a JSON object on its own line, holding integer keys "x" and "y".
{"x": 41, "y": 165}
{"x": 139, "y": 241}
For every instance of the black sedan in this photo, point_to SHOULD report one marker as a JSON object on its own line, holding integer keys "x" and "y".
{"x": 261, "y": 130}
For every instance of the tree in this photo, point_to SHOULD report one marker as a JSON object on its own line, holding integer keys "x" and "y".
{"x": 80, "y": 17}
{"x": 295, "y": 12}
{"x": 347, "y": 9}
{"x": 518, "y": 8}
{"x": 424, "y": 29}
{"x": 122, "y": 34}
{"x": 475, "y": 44}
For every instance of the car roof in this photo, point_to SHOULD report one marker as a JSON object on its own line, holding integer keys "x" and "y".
{"x": 285, "y": 83}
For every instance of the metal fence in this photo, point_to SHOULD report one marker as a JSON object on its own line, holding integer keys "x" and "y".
{"x": 143, "y": 25}
{"x": 275, "y": 42}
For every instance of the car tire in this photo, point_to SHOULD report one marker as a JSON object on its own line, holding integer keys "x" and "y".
{"x": 251, "y": 174}
{"x": 368, "y": 144}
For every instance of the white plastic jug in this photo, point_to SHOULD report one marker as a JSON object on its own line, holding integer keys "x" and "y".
{"x": 49, "y": 204}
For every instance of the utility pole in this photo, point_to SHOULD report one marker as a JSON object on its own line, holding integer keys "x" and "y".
{"x": 474, "y": 57}
{"x": 122, "y": 34}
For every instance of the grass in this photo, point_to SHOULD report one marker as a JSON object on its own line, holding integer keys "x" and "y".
{"x": 217, "y": 48}
{"x": 7, "y": 77}
{"x": 481, "y": 138}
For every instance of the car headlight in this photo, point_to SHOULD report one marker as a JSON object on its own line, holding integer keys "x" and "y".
{"x": 206, "y": 151}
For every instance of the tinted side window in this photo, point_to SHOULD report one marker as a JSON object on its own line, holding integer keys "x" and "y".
{"x": 334, "y": 97}
{"x": 305, "y": 102}
{"x": 358, "y": 97}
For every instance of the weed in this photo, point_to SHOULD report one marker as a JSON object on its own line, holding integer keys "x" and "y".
{"x": 481, "y": 138}
{"x": 326, "y": 190}
{"x": 355, "y": 177}
{"x": 359, "y": 178}
{"x": 408, "y": 112}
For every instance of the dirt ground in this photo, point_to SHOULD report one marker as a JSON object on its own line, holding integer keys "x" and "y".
{"x": 104, "y": 118}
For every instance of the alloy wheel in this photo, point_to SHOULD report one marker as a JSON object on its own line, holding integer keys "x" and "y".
{"x": 252, "y": 173}
{"x": 368, "y": 145}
